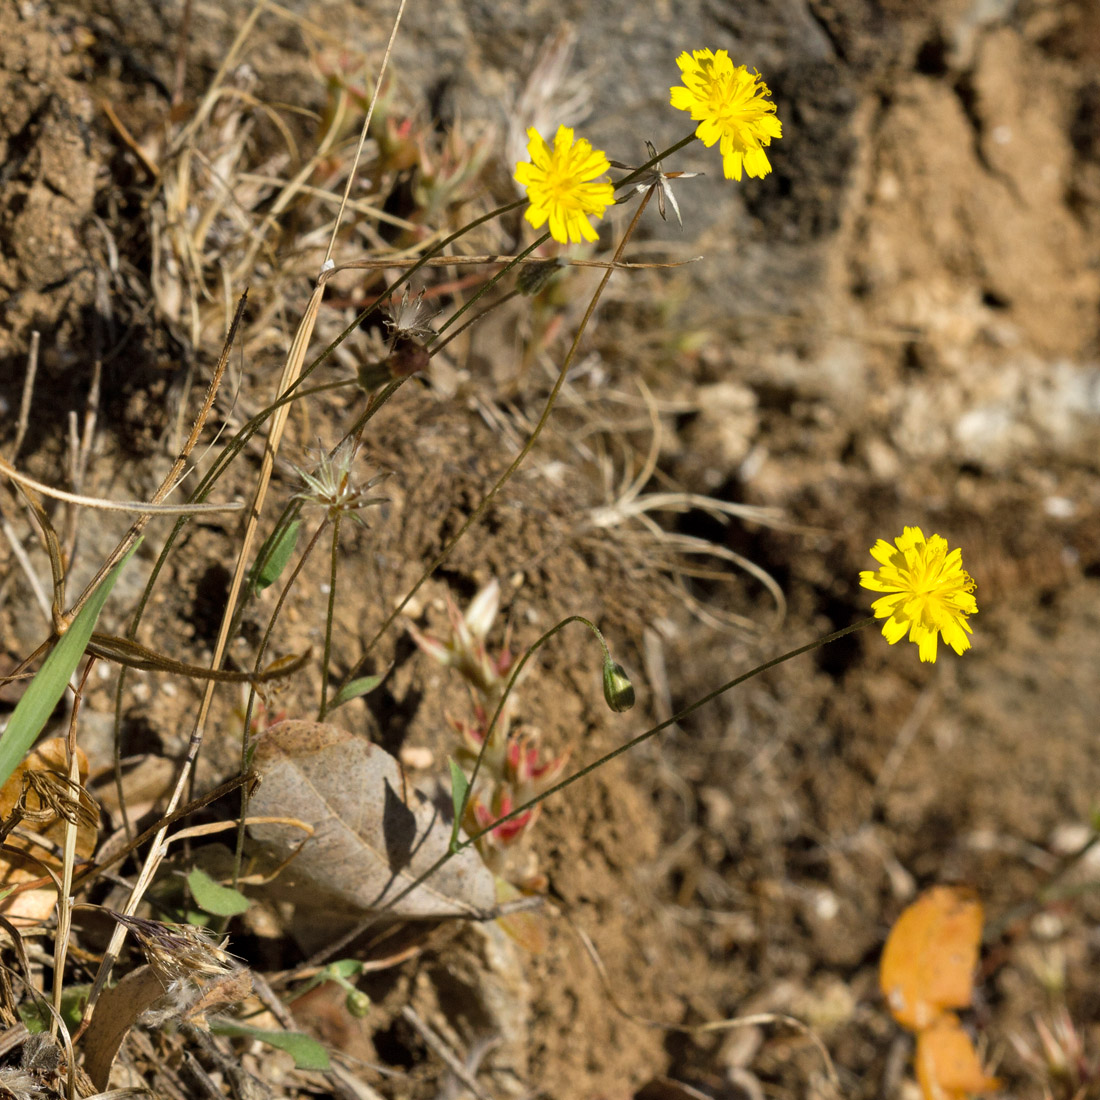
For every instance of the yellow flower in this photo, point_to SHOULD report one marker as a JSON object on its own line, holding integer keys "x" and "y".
{"x": 731, "y": 107}
{"x": 560, "y": 185}
{"x": 929, "y": 592}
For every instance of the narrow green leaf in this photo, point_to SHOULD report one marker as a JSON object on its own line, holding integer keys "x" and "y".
{"x": 275, "y": 560}
{"x": 304, "y": 1049}
{"x": 222, "y": 901}
{"x": 363, "y": 686}
{"x": 34, "y": 709}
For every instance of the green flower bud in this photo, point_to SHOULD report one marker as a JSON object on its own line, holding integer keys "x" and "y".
{"x": 357, "y": 1003}
{"x": 617, "y": 688}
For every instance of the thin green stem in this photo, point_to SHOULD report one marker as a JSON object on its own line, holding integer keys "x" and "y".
{"x": 512, "y": 680}
{"x": 626, "y": 747}
{"x": 329, "y": 615}
{"x": 490, "y": 283}
{"x": 399, "y": 282}
{"x": 635, "y": 741}
{"x": 532, "y": 439}
{"x": 439, "y": 345}
{"x": 258, "y": 664}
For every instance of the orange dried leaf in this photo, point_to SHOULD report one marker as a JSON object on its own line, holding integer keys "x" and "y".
{"x": 930, "y": 955}
{"x": 947, "y": 1063}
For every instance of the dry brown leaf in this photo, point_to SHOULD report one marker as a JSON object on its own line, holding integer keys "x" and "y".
{"x": 23, "y": 859}
{"x": 117, "y": 1011}
{"x": 370, "y": 844}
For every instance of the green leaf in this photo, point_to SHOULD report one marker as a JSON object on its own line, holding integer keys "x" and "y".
{"x": 363, "y": 686}
{"x": 220, "y": 900}
{"x": 36, "y": 1017}
{"x": 271, "y": 564}
{"x": 304, "y": 1049}
{"x": 34, "y": 709}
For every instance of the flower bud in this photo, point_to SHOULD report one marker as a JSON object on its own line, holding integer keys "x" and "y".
{"x": 533, "y": 277}
{"x": 374, "y": 375}
{"x": 617, "y": 688}
{"x": 408, "y": 357}
{"x": 357, "y": 1003}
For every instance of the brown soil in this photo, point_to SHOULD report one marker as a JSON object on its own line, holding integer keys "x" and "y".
{"x": 901, "y": 325}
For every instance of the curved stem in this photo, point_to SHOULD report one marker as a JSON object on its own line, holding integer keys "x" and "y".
{"x": 532, "y": 439}
{"x": 247, "y": 719}
{"x": 331, "y": 611}
{"x": 635, "y": 741}
{"x": 512, "y": 681}
{"x": 626, "y": 747}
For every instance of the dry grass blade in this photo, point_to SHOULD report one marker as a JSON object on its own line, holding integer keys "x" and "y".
{"x": 170, "y": 479}
{"x": 28, "y": 391}
{"x": 164, "y": 823}
{"x": 443, "y": 1051}
{"x": 482, "y": 261}
{"x": 632, "y": 504}
{"x": 290, "y": 375}
{"x": 141, "y": 507}
{"x": 125, "y": 652}
{"x": 24, "y": 562}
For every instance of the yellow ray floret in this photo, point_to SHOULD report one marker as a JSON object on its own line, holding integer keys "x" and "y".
{"x": 563, "y": 185}
{"x": 732, "y": 108}
{"x": 928, "y": 592}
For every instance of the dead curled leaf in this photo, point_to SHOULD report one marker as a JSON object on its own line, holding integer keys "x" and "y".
{"x": 41, "y": 782}
{"x": 374, "y": 835}
{"x": 116, "y": 1013}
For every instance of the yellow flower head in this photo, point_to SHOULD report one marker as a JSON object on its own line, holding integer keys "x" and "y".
{"x": 928, "y": 592}
{"x": 731, "y": 106}
{"x": 560, "y": 185}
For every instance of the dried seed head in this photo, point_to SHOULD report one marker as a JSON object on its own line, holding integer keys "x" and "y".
{"x": 657, "y": 179}
{"x": 409, "y": 320}
{"x": 332, "y": 487}
{"x": 49, "y": 795}
{"x": 179, "y": 951}
{"x": 408, "y": 357}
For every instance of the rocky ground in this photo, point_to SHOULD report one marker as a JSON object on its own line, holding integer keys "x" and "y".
{"x": 900, "y": 325}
